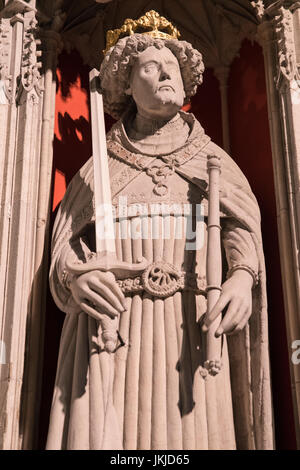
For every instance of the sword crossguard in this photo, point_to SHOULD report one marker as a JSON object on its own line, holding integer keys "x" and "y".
{"x": 109, "y": 262}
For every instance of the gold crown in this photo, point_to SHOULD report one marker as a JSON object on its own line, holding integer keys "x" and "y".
{"x": 151, "y": 23}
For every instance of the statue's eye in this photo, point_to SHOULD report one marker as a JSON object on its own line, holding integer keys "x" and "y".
{"x": 151, "y": 67}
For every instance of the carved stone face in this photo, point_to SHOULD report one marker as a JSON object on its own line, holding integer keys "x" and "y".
{"x": 156, "y": 84}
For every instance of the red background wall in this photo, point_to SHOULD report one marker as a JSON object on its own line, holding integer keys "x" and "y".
{"x": 250, "y": 147}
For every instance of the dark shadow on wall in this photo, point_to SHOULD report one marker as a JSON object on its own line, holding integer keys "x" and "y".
{"x": 53, "y": 326}
{"x": 71, "y": 68}
{"x": 74, "y": 148}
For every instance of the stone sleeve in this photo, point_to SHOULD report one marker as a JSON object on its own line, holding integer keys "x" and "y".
{"x": 239, "y": 248}
{"x": 75, "y": 251}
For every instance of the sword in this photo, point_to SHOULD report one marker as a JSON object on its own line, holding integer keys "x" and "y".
{"x": 106, "y": 258}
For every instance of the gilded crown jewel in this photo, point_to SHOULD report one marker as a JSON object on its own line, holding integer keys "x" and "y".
{"x": 151, "y": 23}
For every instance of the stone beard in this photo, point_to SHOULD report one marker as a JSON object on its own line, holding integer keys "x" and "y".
{"x": 151, "y": 393}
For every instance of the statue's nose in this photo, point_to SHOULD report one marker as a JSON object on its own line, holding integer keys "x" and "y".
{"x": 164, "y": 74}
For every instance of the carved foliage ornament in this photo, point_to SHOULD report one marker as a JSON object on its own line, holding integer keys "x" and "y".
{"x": 151, "y": 23}
{"x": 286, "y": 45}
{"x": 30, "y": 68}
{"x": 259, "y": 8}
{"x": 5, "y": 77}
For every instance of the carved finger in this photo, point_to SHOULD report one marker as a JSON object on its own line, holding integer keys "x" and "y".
{"x": 216, "y": 311}
{"x": 107, "y": 293}
{"x": 241, "y": 325}
{"x": 85, "y": 306}
{"x": 102, "y": 305}
{"x": 231, "y": 318}
{"x": 113, "y": 286}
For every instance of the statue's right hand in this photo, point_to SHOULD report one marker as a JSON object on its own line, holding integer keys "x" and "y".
{"x": 98, "y": 293}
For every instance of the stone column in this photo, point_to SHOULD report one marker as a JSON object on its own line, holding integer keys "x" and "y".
{"x": 279, "y": 37}
{"x": 27, "y": 98}
{"x": 35, "y": 338}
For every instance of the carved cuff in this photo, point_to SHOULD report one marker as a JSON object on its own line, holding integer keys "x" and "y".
{"x": 245, "y": 268}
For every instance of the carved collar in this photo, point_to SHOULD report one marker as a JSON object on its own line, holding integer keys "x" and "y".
{"x": 121, "y": 148}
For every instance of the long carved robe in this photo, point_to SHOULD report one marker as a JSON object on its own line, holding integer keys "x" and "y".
{"x": 151, "y": 393}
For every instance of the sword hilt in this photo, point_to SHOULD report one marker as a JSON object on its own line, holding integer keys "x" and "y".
{"x": 121, "y": 270}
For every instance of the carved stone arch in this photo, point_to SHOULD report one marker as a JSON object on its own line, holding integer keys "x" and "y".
{"x": 215, "y": 27}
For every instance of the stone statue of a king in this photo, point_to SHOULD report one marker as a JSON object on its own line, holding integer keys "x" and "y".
{"x": 152, "y": 392}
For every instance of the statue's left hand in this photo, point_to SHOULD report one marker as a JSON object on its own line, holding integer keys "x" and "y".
{"x": 237, "y": 295}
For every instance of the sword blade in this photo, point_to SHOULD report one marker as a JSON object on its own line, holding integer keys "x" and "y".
{"x": 104, "y": 227}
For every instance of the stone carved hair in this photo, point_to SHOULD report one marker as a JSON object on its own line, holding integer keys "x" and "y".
{"x": 117, "y": 64}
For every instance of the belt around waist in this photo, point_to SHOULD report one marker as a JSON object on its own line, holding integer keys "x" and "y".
{"x": 161, "y": 279}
